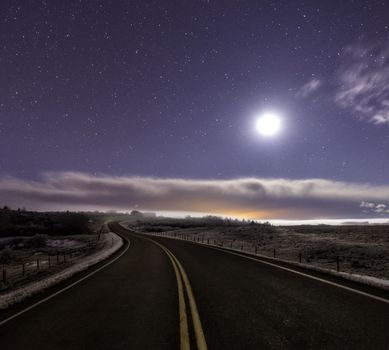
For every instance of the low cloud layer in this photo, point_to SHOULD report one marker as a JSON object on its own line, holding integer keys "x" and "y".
{"x": 363, "y": 83}
{"x": 250, "y": 197}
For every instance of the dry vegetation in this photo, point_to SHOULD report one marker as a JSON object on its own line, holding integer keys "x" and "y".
{"x": 33, "y": 244}
{"x": 360, "y": 249}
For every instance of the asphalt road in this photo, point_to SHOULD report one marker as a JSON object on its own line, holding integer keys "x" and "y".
{"x": 173, "y": 294}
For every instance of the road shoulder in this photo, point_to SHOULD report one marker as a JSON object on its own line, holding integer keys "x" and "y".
{"x": 113, "y": 243}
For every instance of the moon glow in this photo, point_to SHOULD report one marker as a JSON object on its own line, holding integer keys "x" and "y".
{"x": 268, "y": 124}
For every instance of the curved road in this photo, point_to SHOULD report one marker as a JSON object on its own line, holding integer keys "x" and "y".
{"x": 170, "y": 294}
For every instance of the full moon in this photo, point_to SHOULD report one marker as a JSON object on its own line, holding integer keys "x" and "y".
{"x": 269, "y": 124}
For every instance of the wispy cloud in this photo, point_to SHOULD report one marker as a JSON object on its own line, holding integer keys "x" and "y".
{"x": 308, "y": 88}
{"x": 253, "y": 197}
{"x": 363, "y": 83}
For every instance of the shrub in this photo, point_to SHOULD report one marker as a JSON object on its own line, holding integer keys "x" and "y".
{"x": 69, "y": 224}
{"x": 6, "y": 255}
{"x": 36, "y": 241}
{"x": 17, "y": 242}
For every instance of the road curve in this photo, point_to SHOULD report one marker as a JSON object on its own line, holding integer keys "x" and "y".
{"x": 134, "y": 303}
{"x": 245, "y": 304}
{"x": 131, "y": 304}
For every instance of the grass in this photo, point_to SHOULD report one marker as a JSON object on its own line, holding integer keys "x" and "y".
{"x": 360, "y": 249}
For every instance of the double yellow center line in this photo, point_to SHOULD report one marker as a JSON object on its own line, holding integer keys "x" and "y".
{"x": 183, "y": 285}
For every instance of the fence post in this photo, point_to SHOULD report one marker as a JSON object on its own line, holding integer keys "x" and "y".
{"x": 241, "y": 247}
{"x": 300, "y": 258}
{"x": 207, "y": 240}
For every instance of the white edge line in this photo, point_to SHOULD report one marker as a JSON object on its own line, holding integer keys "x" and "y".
{"x": 65, "y": 288}
{"x": 258, "y": 260}
{"x": 306, "y": 275}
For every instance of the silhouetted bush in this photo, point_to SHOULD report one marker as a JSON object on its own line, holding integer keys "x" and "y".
{"x": 6, "y": 255}
{"x": 24, "y": 223}
{"x": 37, "y": 241}
{"x": 70, "y": 223}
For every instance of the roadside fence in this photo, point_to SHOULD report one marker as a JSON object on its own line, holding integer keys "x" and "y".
{"x": 335, "y": 262}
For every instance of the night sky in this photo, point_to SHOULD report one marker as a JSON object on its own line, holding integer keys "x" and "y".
{"x": 117, "y": 92}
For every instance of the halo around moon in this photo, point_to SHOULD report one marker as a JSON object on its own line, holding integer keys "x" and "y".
{"x": 268, "y": 124}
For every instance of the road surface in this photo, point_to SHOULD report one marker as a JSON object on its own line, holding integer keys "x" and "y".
{"x": 169, "y": 294}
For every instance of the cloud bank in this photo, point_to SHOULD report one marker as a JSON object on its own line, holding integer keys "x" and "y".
{"x": 250, "y": 197}
{"x": 363, "y": 83}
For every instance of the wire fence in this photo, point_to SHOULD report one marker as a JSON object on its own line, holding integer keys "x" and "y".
{"x": 29, "y": 268}
{"x": 326, "y": 259}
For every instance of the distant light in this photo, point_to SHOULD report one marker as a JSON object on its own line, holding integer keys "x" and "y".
{"x": 269, "y": 124}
